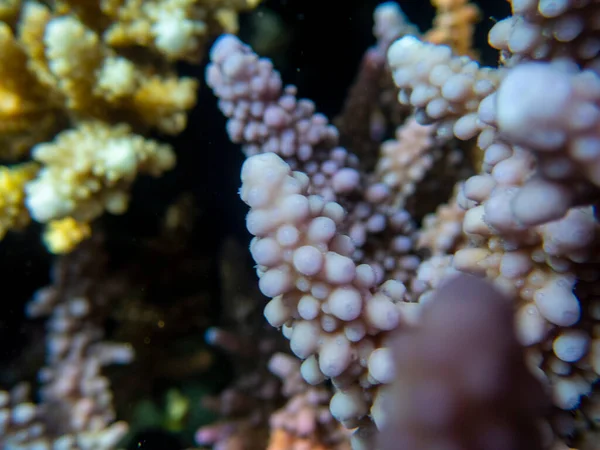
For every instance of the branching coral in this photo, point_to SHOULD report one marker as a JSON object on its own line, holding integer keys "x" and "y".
{"x": 357, "y": 271}
{"x": 454, "y": 25}
{"x": 75, "y": 408}
{"x": 481, "y": 401}
{"x": 530, "y": 228}
{"x": 13, "y": 214}
{"x": 328, "y": 234}
{"x": 87, "y": 170}
{"x": 105, "y": 65}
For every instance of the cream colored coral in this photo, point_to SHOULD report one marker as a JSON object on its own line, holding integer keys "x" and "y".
{"x": 31, "y": 36}
{"x": 90, "y": 169}
{"x": 56, "y": 68}
{"x": 163, "y": 102}
{"x": 16, "y": 79}
{"x": 405, "y": 160}
{"x": 73, "y": 55}
{"x": 116, "y": 79}
{"x": 13, "y": 214}
{"x": 94, "y": 65}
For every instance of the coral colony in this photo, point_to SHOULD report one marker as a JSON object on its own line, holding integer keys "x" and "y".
{"x": 436, "y": 288}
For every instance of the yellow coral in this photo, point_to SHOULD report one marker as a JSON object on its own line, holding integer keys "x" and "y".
{"x": 226, "y": 12}
{"x": 94, "y": 66}
{"x": 454, "y": 25}
{"x": 62, "y": 236}
{"x": 284, "y": 440}
{"x": 13, "y": 214}
{"x": 163, "y": 102}
{"x": 70, "y": 60}
{"x": 89, "y": 170}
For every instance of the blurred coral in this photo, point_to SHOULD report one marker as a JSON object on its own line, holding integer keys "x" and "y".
{"x": 13, "y": 214}
{"x": 104, "y": 68}
{"x": 429, "y": 258}
{"x": 454, "y": 25}
{"x": 463, "y": 358}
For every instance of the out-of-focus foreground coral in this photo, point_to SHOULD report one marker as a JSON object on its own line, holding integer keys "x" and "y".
{"x": 82, "y": 82}
{"x": 460, "y": 377}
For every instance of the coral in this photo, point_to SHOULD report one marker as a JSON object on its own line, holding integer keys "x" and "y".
{"x": 329, "y": 307}
{"x": 245, "y": 405}
{"x": 81, "y": 66}
{"x": 176, "y": 29}
{"x": 329, "y": 231}
{"x": 531, "y": 227}
{"x": 62, "y": 235}
{"x": 305, "y": 421}
{"x": 481, "y": 402}
{"x": 75, "y": 408}
{"x": 13, "y": 214}
{"x": 454, "y": 25}
{"x": 371, "y": 107}
{"x": 88, "y": 170}
{"x": 434, "y": 269}
{"x": 404, "y": 161}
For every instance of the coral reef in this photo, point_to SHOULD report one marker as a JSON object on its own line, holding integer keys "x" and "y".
{"x": 425, "y": 265}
